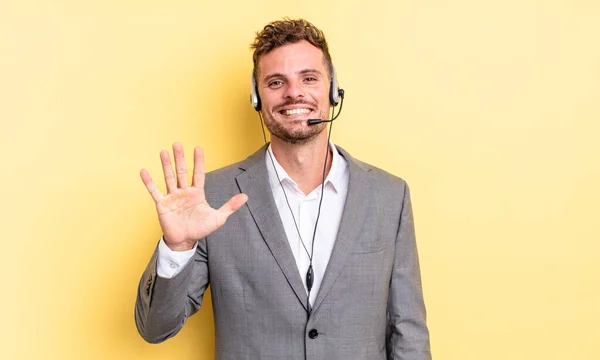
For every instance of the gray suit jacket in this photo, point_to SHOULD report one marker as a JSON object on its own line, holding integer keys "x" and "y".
{"x": 370, "y": 304}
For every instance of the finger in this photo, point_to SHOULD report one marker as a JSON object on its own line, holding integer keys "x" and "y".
{"x": 165, "y": 159}
{"x": 230, "y": 207}
{"x": 198, "y": 178}
{"x": 152, "y": 189}
{"x": 180, "y": 168}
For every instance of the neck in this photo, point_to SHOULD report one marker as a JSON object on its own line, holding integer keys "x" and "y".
{"x": 304, "y": 162}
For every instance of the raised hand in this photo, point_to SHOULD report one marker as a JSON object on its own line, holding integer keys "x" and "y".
{"x": 183, "y": 213}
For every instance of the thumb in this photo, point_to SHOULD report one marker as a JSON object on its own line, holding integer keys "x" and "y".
{"x": 230, "y": 207}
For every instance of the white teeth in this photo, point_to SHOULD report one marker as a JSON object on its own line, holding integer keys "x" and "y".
{"x": 296, "y": 111}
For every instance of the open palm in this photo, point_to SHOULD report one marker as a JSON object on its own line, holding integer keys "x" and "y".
{"x": 183, "y": 213}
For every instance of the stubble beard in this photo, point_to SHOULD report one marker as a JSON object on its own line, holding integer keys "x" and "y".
{"x": 299, "y": 136}
{"x": 295, "y": 134}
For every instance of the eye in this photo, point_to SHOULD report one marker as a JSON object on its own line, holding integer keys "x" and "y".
{"x": 310, "y": 79}
{"x": 275, "y": 83}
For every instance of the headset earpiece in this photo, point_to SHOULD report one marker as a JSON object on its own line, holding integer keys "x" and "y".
{"x": 254, "y": 98}
{"x": 334, "y": 92}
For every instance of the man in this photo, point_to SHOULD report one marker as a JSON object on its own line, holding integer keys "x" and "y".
{"x": 312, "y": 255}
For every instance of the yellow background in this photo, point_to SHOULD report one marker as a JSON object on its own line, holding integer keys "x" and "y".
{"x": 489, "y": 109}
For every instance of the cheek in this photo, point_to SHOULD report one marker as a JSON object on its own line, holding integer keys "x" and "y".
{"x": 323, "y": 95}
{"x": 270, "y": 100}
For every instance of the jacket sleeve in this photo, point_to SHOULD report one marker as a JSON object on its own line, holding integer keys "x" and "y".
{"x": 163, "y": 305}
{"x": 407, "y": 333}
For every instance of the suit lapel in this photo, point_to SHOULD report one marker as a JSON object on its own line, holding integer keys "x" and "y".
{"x": 350, "y": 225}
{"x": 254, "y": 182}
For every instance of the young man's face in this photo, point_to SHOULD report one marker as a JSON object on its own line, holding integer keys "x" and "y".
{"x": 293, "y": 84}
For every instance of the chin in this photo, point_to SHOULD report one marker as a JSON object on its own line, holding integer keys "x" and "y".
{"x": 301, "y": 137}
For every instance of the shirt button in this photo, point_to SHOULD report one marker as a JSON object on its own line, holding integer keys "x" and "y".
{"x": 313, "y": 333}
{"x": 173, "y": 265}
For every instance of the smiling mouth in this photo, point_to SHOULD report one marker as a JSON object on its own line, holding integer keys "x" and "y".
{"x": 291, "y": 112}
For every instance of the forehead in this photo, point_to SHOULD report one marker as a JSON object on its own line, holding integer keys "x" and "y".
{"x": 291, "y": 58}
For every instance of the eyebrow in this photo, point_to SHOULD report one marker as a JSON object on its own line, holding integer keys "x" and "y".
{"x": 301, "y": 72}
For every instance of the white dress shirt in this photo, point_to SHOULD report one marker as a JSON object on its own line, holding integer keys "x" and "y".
{"x": 305, "y": 208}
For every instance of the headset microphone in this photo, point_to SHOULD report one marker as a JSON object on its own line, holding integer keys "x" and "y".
{"x": 318, "y": 121}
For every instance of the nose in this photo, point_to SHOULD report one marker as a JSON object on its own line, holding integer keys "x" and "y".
{"x": 294, "y": 90}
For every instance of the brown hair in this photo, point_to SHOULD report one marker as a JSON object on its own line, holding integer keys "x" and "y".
{"x": 288, "y": 31}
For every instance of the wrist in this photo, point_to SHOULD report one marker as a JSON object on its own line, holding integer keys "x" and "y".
{"x": 179, "y": 247}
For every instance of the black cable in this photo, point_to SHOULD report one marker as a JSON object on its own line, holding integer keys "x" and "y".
{"x": 282, "y": 189}
{"x": 324, "y": 171}
{"x": 310, "y": 274}
{"x": 319, "y": 210}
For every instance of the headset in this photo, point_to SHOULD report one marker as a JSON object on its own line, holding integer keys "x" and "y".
{"x": 334, "y": 92}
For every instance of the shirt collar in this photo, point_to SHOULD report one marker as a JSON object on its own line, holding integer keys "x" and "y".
{"x": 334, "y": 177}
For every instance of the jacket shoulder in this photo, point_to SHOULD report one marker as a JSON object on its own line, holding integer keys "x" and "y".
{"x": 226, "y": 172}
{"x": 382, "y": 179}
